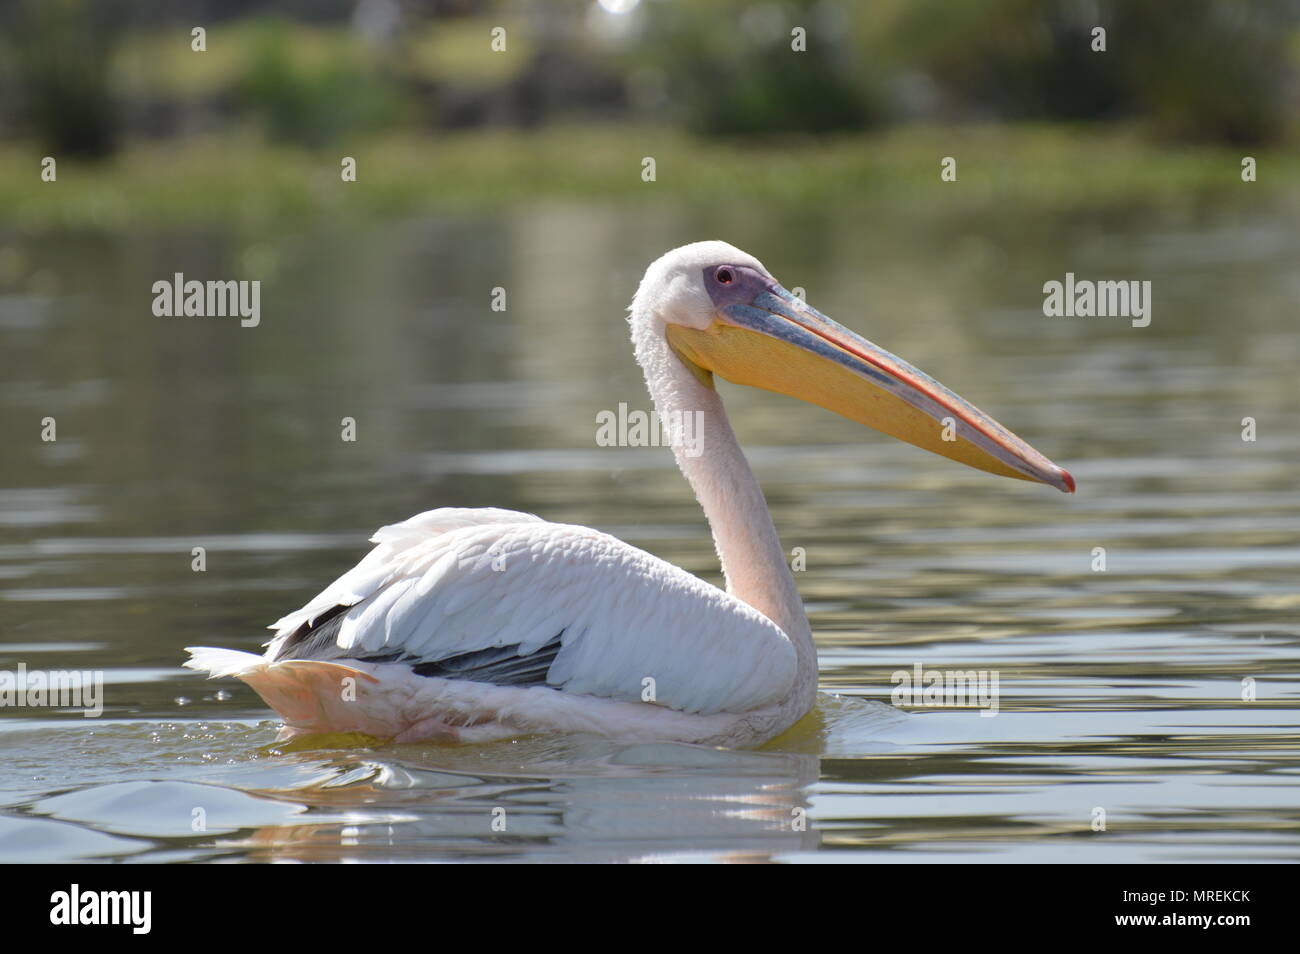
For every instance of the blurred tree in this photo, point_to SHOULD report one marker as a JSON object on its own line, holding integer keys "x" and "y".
{"x": 729, "y": 68}
{"x": 1198, "y": 69}
{"x": 60, "y": 53}
{"x": 1209, "y": 69}
{"x": 1010, "y": 59}
{"x": 314, "y": 101}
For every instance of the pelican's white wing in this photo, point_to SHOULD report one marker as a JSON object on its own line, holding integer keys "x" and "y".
{"x": 568, "y": 606}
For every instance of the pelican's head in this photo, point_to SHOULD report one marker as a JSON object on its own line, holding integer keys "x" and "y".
{"x": 723, "y": 313}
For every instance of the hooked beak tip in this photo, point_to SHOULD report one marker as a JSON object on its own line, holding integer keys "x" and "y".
{"x": 1069, "y": 481}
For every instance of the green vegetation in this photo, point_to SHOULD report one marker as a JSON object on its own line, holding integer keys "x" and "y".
{"x": 151, "y": 57}
{"x": 250, "y": 132}
{"x": 315, "y": 103}
{"x": 248, "y": 182}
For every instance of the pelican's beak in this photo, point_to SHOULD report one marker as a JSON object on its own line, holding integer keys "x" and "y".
{"x": 765, "y": 337}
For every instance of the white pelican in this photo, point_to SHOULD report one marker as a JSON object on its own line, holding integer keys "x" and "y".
{"x": 474, "y": 625}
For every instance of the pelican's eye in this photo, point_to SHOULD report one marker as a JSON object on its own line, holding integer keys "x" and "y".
{"x": 724, "y": 276}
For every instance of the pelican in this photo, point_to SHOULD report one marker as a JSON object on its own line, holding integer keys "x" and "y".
{"x": 474, "y": 625}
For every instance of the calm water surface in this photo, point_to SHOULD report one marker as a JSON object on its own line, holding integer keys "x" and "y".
{"x": 1121, "y": 690}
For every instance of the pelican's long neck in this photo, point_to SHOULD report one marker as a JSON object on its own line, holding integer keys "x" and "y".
{"x": 753, "y": 561}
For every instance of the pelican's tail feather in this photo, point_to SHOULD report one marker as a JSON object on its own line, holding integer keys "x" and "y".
{"x": 221, "y": 662}
{"x": 309, "y": 694}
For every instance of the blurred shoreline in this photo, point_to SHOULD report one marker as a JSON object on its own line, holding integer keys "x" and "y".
{"x": 249, "y": 182}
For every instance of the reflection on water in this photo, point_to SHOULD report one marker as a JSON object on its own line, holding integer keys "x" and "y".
{"x": 1121, "y": 689}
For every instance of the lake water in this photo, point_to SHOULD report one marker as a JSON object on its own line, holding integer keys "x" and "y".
{"x": 1123, "y": 690}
